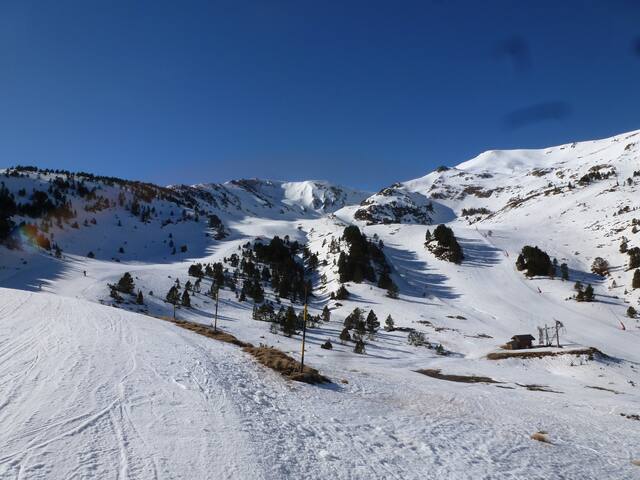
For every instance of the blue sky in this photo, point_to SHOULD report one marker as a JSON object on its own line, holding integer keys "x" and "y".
{"x": 362, "y": 93}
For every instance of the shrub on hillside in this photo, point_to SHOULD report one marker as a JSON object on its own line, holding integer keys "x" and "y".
{"x": 534, "y": 261}
{"x": 443, "y": 244}
{"x": 125, "y": 284}
{"x": 585, "y": 295}
{"x": 341, "y": 294}
{"x": 600, "y": 267}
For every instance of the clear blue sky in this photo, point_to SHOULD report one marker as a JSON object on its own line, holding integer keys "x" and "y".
{"x": 362, "y": 93}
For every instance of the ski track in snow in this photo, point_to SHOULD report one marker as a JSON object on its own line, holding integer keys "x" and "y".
{"x": 183, "y": 406}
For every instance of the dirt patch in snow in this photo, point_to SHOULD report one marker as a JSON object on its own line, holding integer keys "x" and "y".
{"x": 544, "y": 353}
{"x": 537, "y": 388}
{"x": 541, "y": 437}
{"x": 285, "y": 365}
{"x": 435, "y": 373}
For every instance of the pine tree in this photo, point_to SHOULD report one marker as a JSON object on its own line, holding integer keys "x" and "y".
{"x": 326, "y": 314}
{"x": 636, "y": 279}
{"x": 389, "y": 324}
{"x": 344, "y": 335}
{"x": 327, "y": 345}
{"x": 588, "y": 294}
{"x": 173, "y": 297}
{"x": 186, "y": 299}
{"x": 564, "y": 271}
{"x": 359, "y": 346}
{"x": 140, "y": 298}
{"x": 631, "y": 312}
{"x": 125, "y": 284}
{"x": 290, "y": 321}
{"x": 353, "y": 319}
{"x": 372, "y": 322}
{"x": 392, "y": 291}
{"x": 360, "y": 327}
{"x": 624, "y": 245}
{"x": 342, "y": 293}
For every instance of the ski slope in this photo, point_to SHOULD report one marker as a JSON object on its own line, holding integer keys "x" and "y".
{"x": 92, "y": 391}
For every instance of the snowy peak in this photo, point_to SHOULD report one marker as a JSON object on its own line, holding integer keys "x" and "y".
{"x": 499, "y": 180}
{"x": 276, "y": 198}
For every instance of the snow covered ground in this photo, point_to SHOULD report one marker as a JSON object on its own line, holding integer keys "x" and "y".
{"x": 89, "y": 390}
{"x": 92, "y": 391}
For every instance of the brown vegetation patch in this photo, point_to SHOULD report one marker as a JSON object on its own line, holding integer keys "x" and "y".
{"x": 435, "y": 373}
{"x": 207, "y": 331}
{"x": 537, "y": 388}
{"x": 544, "y": 353}
{"x": 595, "y": 387}
{"x": 268, "y": 356}
{"x": 285, "y": 365}
{"x": 541, "y": 437}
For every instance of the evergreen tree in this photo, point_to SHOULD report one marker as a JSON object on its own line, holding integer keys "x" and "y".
{"x": 290, "y": 321}
{"x": 564, "y": 271}
{"x": 634, "y": 257}
{"x": 359, "y": 346}
{"x": 352, "y": 320}
{"x": 372, "y": 323}
{"x": 326, "y": 314}
{"x": 447, "y": 247}
{"x": 631, "y": 312}
{"x": 342, "y": 293}
{"x": 126, "y": 284}
{"x": 195, "y": 270}
{"x": 624, "y": 245}
{"x": 186, "y": 299}
{"x": 327, "y": 345}
{"x": 636, "y": 279}
{"x": 600, "y": 266}
{"x": 360, "y": 327}
{"x": 140, "y": 298}
{"x": 173, "y": 297}
{"x": 344, "y": 335}
{"x": 392, "y": 291}
{"x": 534, "y": 261}
{"x": 389, "y": 324}
{"x": 587, "y": 295}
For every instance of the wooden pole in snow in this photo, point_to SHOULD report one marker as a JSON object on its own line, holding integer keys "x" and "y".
{"x": 304, "y": 330}
{"x": 215, "y": 318}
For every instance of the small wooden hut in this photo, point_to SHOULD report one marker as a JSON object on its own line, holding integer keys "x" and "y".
{"x": 518, "y": 342}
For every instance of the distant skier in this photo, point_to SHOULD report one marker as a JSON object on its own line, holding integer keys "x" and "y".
{"x": 539, "y": 291}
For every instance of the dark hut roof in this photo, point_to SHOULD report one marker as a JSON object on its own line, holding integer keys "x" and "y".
{"x": 523, "y": 338}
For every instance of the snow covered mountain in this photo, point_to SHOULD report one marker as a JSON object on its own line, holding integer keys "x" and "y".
{"x": 499, "y": 181}
{"x": 431, "y": 396}
{"x": 268, "y": 198}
